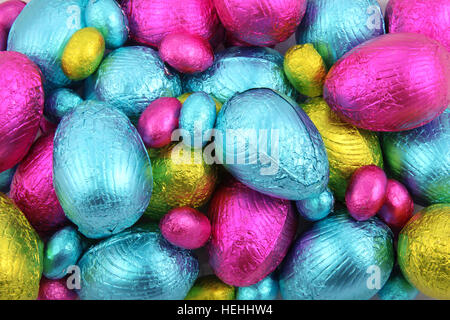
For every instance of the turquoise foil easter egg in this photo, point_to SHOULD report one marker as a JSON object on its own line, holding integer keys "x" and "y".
{"x": 60, "y": 102}
{"x": 266, "y": 289}
{"x": 101, "y": 170}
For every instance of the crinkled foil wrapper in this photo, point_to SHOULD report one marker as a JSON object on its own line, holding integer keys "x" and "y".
{"x": 211, "y": 288}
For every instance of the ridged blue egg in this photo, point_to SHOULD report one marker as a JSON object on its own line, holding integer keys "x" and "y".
{"x": 266, "y": 141}
{"x": 137, "y": 264}
{"x": 266, "y": 289}
{"x": 6, "y": 178}
{"x": 101, "y": 170}
{"x": 317, "y": 207}
{"x": 59, "y": 102}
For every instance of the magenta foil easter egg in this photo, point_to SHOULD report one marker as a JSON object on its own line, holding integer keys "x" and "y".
{"x": 151, "y": 20}
{"x": 394, "y": 82}
{"x": 9, "y": 10}
{"x": 32, "y": 188}
{"x": 56, "y": 290}
{"x": 21, "y": 106}
{"x": 251, "y": 233}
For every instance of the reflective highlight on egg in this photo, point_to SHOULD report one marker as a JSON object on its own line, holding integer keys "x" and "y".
{"x": 55, "y": 290}
{"x": 60, "y": 102}
{"x": 398, "y": 206}
{"x": 211, "y": 288}
{"x": 397, "y": 288}
{"x": 184, "y": 96}
{"x": 266, "y": 289}
{"x": 9, "y": 10}
{"x": 317, "y": 207}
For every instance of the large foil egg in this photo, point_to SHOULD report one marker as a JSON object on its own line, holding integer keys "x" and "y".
{"x": 251, "y": 233}
{"x": 211, "y": 288}
{"x": 265, "y": 140}
{"x": 384, "y": 84}
{"x": 21, "y": 253}
{"x": 21, "y": 106}
{"x": 101, "y": 170}
{"x": 338, "y": 258}
{"x": 137, "y": 264}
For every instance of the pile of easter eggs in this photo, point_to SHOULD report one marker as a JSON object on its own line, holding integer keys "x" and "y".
{"x": 137, "y": 136}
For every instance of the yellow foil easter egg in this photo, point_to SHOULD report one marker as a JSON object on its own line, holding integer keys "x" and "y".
{"x": 211, "y": 288}
{"x": 348, "y": 147}
{"x": 305, "y": 69}
{"x": 21, "y": 254}
{"x": 424, "y": 251}
{"x": 83, "y": 54}
{"x": 184, "y": 96}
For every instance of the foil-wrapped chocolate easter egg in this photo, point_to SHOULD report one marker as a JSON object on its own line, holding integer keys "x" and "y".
{"x": 59, "y": 102}
{"x": 398, "y": 206}
{"x": 251, "y": 233}
{"x": 137, "y": 264}
{"x": 373, "y": 88}
{"x": 238, "y": 69}
{"x": 261, "y": 22}
{"x": 55, "y": 290}
{"x": 151, "y": 20}
{"x": 130, "y": 78}
{"x": 211, "y": 288}
{"x": 419, "y": 159}
{"x": 21, "y": 106}
{"x": 266, "y": 141}
{"x": 6, "y": 178}
{"x": 334, "y": 27}
{"x": 21, "y": 253}
{"x": 32, "y": 188}
{"x": 348, "y": 147}
{"x": 424, "y": 251}
{"x": 397, "y": 288}
{"x": 316, "y": 207}
{"x": 186, "y": 95}
{"x": 181, "y": 177}
{"x": 101, "y": 170}
{"x": 9, "y": 10}
{"x": 266, "y": 289}
{"x": 428, "y": 17}
{"x": 338, "y": 258}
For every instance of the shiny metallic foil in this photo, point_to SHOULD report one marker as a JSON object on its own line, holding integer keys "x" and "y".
{"x": 397, "y": 288}
{"x": 211, "y": 288}
{"x": 266, "y": 289}
{"x": 60, "y": 102}
{"x": 9, "y": 10}
{"x": 424, "y": 251}
{"x": 184, "y": 96}
{"x": 55, "y": 290}
{"x": 21, "y": 253}
{"x": 317, "y": 207}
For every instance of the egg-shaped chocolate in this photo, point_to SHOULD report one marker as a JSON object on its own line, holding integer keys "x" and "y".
{"x": 55, "y": 290}
{"x": 397, "y": 288}
{"x": 266, "y": 289}
{"x": 316, "y": 207}
{"x": 211, "y": 288}
{"x": 59, "y": 102}
{"x": 186, "y": 95}
{"x": 9, "y": 10}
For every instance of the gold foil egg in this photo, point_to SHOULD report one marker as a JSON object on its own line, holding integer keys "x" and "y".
{"x": 184, "y": 96}
{"x": 21, "y": 254}
{"x": 348, "y": 147}
{"x": 424, "y": 251}
{"x": 305, "y": 69}
{"x": 83, "y": 54}
{"x": 211, "y": 288}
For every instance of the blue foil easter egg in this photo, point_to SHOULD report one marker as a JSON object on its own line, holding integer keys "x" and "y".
{"x": 266, "y": 289}
{"x": 130, "y": 78}
{"x": 335, "y": 27}
{"x": 397, "y": 288}
{"x": 59, "y": 102}
{"x": 6, "y": 178}
{"x": 317, "y": 207}
{"x": 338, "y": 258}
{"x": 101, "y": 170}
{"x": 420, "y": 159}
{"x": 267, "y": 142}
{"x": 238, "y": 69}
{"x": 137, "y": 264}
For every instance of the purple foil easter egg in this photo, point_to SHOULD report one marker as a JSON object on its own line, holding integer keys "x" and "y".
{"x": 394, "y": 82}
{"x": 251, "y": 233}
{"x": 55, "y": 290}
{"x": 366, "y": 192}
{"x": 21, "y": 106}
{"x": 9, "y": 11}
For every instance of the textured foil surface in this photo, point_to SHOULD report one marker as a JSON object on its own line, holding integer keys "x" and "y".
{"x": 101, "y": 170}
{"x": 186, "y": 95}
{"x": 9, "y": 11}
{"x": 266, "y": 289}
{"x": 55, "y": 290}
{"x": 317, "y": 207}
{"x": 397, "y": 288}
{"x": 373, "y": 88}
{"x": 211, "y": 288}
{"x": 59, "y": 102}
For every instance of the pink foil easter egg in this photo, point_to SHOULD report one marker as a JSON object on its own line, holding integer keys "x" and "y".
{"x": 55, "y": 290}
{"x": 158, "y": 121}
{"x": 251, "y": 233}
{"x": 186, "y": 53}
{"x": 151, "y": 20}
{"x": 9, "y": 11}
{"x": 21, "y": 106}
{"x": 32, "y": 188}
{"x": 428, "y": 17}
{"x": 366, "y": 192}
{"x": 186, "y": 228}
{"x": 394, "y": 82}
{"x": 261, "y": 22}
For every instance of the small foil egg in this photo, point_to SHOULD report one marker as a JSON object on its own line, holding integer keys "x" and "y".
{"x": 101, "y": 170}
{"x": 268, "y": 143}
{"x": 417, "y": 159}
{"x": 62, "y": 251}
{"x": 56, "y": 290}
{"x": 184, "y": 96}
{"x": 158, "y": 121}
{"x": 6, "y": 178}
{"x": 238, "y": 69}
{"x": 338, "y": 258}
{"x": 397, "y": 288}
{"x": 334, "y": 27}
{"x": 424, "y": 251}
{"x": 261, "y": 22}
{"x": 428, "y": 17}
{"x": 266, "y": 289}
{"x": 21, "y": 252}
{"x": 305, "y": 69}
{"x": 251, "y": 233}
{"x": 32, "y": 188}
{"x": 130, "y": 78}
{"x": 9, "y": 10}
{"x": 348, "y": 147}
{"x": 59, "y": 102}
{"x": 211, "y": 288}
{"x": 398, "y": 206}
{"x": 317, "y": 207}
{"x": 108, "y": 18}
{"x": 21, "y": 106}
{"x": 373, "y": 88}
{"x": 186, "y": 228}
{"x": 187, "y": 53}
{"x": 137, "y": 264}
